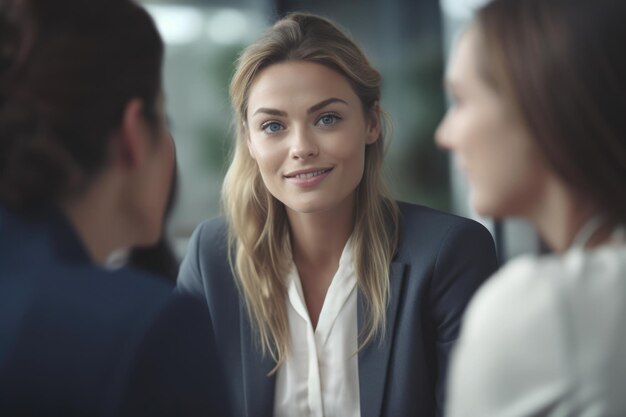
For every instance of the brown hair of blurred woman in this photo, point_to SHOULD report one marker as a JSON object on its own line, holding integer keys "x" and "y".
{"x": 61, "y": 97}
{"x": 562, "y": 64}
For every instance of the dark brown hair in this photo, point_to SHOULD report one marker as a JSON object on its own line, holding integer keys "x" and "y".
{"x": 67, "y": 71}
{"x": 562, "y": 63}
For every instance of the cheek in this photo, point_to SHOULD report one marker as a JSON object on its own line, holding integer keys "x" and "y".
{"x": 266, "y": 155}
{"x": 353, "y": 162}
{"x": 262, "y": 144}
{"x": 504, "y": 196}
{"x": 486, "y": 143}
{"x": 350, "y": 153}
{"x": 154, "y": 197}
{"x": 346, "y": 145}
{"x": 508, "y": 180}
{"x": 269, "y": 160}
{"x": 168, "y": 165}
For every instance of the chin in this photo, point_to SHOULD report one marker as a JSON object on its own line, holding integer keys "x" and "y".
{"x": 307, "y": 207}
{"x": 304, "y": 208}
{"x": 317, "y": 202}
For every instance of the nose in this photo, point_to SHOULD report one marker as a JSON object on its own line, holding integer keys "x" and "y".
{"x": 303, "y": 145}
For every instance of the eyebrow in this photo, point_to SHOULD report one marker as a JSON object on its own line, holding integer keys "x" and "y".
{"x": 272, "y": 112}
{"x": 312, "y": 109}
{"x": 325, "y": 103}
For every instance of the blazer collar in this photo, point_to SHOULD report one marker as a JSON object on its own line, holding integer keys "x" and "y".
{"x": 374, "y": 357}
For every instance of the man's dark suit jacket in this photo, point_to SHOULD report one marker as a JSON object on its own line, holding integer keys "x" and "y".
{"x": 80, "y": 340}
{"x": 441, "y": 260}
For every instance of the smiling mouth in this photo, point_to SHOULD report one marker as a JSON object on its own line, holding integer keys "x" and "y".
{"x": 309, "y": 175}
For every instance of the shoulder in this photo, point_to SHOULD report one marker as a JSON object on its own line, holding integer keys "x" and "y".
{"x": 521, "y": 288}
{"x": 525, "y": 286}
{"x": 85, "y": 321}
{"x": 215, "y": 227}
{"x": 44, "y": 277}
{"x": 425, "y": 229}
{"x": 511, "y": 351}
{"x": 150, "y": 304}
{"x": 420, "y": 218}
{"x": 146, "y": 303}
{"x": 137, "y": 301}
{"x": 534, "y": 327}
{"x": 165, "y": 356}
{"x": 207, "y": 250}
{"x": 86, "y": 291}
{"x": 206, "y": 267}
{"x": 210, "y": 239}
{"x": 513, "y": 316}
{"x": 176, "y": 370}
{"x": 532, "y": 295}
{"x": 86, "y": 288}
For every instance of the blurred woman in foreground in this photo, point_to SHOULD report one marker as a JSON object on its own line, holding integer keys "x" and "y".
{"x": 86, "y": 165}
{"x": 538, "y": 126}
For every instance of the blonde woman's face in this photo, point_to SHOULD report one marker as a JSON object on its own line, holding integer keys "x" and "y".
{"x": 494, "y": 151}
{"x": 308, "y": 133}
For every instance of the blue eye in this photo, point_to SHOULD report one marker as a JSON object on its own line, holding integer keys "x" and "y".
{"x": 272, "y": 127}
{"x": 328, "y": 119}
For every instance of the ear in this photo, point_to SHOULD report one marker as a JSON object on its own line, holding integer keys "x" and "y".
{"x": 132, "y": 137}
{"x": 373, "y": 124}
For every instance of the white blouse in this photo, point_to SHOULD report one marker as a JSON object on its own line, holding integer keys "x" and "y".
{"x": 320, "y": 377}
{"x": 546, "y": 336}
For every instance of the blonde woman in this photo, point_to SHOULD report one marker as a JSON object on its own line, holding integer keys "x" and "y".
{"x": 327, "y": 297}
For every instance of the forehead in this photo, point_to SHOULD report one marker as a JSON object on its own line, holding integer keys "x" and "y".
{"x": 294, "y": 83}
{"x": 462, "y": 66}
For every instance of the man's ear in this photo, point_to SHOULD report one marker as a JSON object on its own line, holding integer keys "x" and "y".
{"x": 373, "y": 124}
{"x": 132, "y": 135}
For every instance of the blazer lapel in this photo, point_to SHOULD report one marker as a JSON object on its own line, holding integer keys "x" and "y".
{"x": 374, "y": 357}
{"x": 258, "y": 386}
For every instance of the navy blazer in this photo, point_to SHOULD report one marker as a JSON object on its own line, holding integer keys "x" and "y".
{"x": 440, "y": 262}
{"x": 79, "y": 340}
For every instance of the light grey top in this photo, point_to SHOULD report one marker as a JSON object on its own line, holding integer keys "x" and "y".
{"x": 546, "y": 336}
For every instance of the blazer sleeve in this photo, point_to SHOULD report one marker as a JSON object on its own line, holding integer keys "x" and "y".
{"x": 466, "y": 258}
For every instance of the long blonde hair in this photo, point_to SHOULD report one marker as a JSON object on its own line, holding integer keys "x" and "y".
{"x": 257, "y": 221}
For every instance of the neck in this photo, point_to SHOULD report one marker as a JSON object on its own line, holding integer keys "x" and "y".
{"x": 319, "y": 238}
{"x": 99, "y": 222}
{"x": 560, "y": 215}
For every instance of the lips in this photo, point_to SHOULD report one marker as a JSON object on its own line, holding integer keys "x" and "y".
{"x": 308, "y": 179}
{"x": 308, "y": 174}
